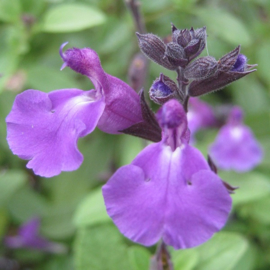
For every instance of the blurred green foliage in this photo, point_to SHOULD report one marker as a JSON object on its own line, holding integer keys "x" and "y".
{"x": 70, "y": 205}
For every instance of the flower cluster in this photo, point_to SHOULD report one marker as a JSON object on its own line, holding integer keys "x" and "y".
{"x": 169, "y": 191}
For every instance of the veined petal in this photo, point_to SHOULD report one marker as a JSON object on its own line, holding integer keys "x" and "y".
{"x": 167, "y": 194}
{"x": 45, "y": 127}
{"x": 122, "y": 107}
{"x": 235, "y": 148}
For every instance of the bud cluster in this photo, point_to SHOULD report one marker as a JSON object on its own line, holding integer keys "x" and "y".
{"x": 195, "y": 77}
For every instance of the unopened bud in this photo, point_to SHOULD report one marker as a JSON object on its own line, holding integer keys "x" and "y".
{"x": 176, "y": 54}
{"x": 201, "y": 68}
{"x": 193, "y": 47}
{"x": 183, "y": 38}
{"x": 154, "y": 48}
{"x": 193, "y": 41}
{"x": 227, "y": 61}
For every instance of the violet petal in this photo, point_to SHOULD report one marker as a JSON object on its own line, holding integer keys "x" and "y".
{"x": 44, "y": 128}
{"x": 169, "y": 195}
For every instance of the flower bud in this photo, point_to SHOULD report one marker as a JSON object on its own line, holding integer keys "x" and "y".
{"x": 231, "y": 67}
{"x": 154, "y": 48}
{"x": 162, "y": 89}
{"x": 227, "y": 61}
{"x": 176, "y": 54}
{"x": 192, "y": 47}
{"x": 201, "y": 68}
{"x": 182, "y": 37}
{"x": 193, "y": 41}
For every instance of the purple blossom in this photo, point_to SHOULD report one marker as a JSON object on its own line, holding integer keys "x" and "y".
{"x": 28, "y": 237}
{"x": 235, "y": 147}
{"x": 200, "y": 115}
{"x": 169, "y": 190}
{"x": 44, "y": 128}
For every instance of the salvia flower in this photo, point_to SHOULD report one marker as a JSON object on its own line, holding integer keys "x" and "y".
{"x": 44, "y": 128}
{"x": 168, "y": 192}
{"x": 235, "y": 147}
{"x": 28, "y": 237}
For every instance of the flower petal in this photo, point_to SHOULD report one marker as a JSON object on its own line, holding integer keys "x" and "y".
{"x": 45, "y": 127}
{"x": 122, "y": 107}
{"x": 172, "y": 195}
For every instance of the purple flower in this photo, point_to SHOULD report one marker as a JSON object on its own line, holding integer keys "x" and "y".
{"x": 169, "y": 190}
{"x": 28, "y": 237}
{"x": 235, "y": 147}
{"x": 44, "y": 128}
{"x": 200, "y": 115}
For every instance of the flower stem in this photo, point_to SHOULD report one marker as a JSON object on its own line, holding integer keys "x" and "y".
{"x": 182, "y": 87}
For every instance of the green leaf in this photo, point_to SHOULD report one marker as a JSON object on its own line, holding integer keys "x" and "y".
{"x": 92, "y": 210}
{"x": 139, "y": 257}
{"x": 26, "y": 204}
{"x": 252, "y": 186}
{"x": 225, "y": 251}
{"x": 100, "y": 248}
{"x": 10, "y": 10}
{"x": 130, "y": 148}
{"x": 259, "y": 210}
{"x": 10, "y": 182}
{"x": 71, "y": 17}
{"x": 3, "y": 221}
{"x": 47, "y": 79}
{"x": 225, "y": 25}
{"x": 265, "y": 142}
{"x": 57, "y": 222}
{"x": 263, "y": 59}
{"x": 250, "y": 95}
{"x": 57, "y": 263}
{"x": 259, "y": 123}
{"x": 112, "y": 39}
{"x": 185, "y": 259}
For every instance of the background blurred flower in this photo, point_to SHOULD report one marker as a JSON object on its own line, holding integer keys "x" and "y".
{"x": 200, "y": 115}
{"x": 235, "y": 147}
{"x": 28, "y": 237}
